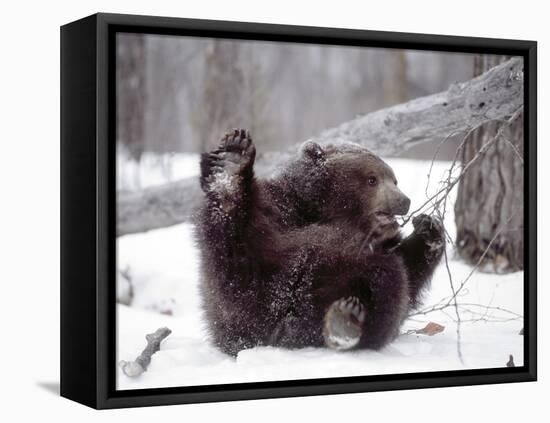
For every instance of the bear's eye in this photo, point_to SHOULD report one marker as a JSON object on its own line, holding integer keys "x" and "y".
{"x": 372, "y": 180}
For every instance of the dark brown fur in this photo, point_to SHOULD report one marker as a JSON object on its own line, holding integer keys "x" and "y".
{"x": 277, "y": 253}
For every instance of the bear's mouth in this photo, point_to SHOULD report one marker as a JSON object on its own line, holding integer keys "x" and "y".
{"x": 384, "y": 218}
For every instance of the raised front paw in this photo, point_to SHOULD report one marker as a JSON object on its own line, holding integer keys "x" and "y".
{"x": 233, "y": 157}
{"x": 432, "y": 232}
{"x": 236, "y": 152}
{"x": 343, "y": 323}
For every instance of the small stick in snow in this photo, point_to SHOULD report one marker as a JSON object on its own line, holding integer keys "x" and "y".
{"x": 140, "y": 364}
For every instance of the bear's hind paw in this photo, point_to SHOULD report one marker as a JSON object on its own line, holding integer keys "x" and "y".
{"x": 343, "y": 323}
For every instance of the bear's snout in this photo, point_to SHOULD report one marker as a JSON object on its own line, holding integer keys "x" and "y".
{"x": 397, "y": 202}
{"x": 402, "y": 205}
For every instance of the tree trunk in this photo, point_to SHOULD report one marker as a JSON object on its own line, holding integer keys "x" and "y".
{"x": 489, "y": 205}
{"x": 394, "y": 80}
{"x": 131, "y": 94}
{"x": 223, "y": 102}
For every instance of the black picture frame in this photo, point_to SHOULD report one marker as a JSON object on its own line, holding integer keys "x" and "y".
{"x": 88, "y": 210}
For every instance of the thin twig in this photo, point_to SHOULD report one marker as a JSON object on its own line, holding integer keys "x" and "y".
{"x": 438, "y": 205}
{"x": 449, "y": 184}
{"x": 514, "y": 148}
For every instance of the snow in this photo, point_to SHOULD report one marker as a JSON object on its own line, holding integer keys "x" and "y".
{"x": 223, "y": 182}
{"x": 164, "y": 268}
{"x": 154, "y": 169}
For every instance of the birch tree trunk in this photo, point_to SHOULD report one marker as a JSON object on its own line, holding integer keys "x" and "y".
{"x": 489, "y": 204}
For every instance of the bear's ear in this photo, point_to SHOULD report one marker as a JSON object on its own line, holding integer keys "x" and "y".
{"x": 313, "y": 151}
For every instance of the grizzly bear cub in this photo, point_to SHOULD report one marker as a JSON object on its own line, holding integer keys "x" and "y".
{"x": 312, "y": 256}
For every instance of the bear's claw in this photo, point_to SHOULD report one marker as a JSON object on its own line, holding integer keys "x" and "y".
{"x": 233, "y": 157}
{"x": 429, "y": 227}
{"x": 431, "y": 230}
{"x": 343, "y": 323}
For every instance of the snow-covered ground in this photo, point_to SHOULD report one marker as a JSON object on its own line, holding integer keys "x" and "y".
{"x": 163, "y": 267}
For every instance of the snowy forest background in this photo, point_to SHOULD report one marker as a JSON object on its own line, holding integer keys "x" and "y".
{"x": 177, "y": 95}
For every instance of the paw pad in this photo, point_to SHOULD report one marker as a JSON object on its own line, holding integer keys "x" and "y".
{"x": 233, "y": 157}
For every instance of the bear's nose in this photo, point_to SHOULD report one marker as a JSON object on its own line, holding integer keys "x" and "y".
{"x": 403, "y": 205}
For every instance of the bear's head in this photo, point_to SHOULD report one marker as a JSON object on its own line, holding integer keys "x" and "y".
{"x": 347, "y": 182}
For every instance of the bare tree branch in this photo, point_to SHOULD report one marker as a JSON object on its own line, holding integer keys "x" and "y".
{"x": 437, "y": 204}
{"x": 494, "y": 95}
{"x": 439, "y": 199}
{"x": 451, "y": 301}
